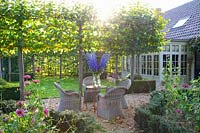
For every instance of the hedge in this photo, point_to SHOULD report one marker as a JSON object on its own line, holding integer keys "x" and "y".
{"x": 71, "y": 121}
{"x": 142, "y": 86}
{"x": 9, "y": 91}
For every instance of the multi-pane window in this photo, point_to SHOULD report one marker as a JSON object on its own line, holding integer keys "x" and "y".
{"x": 183, "y": 48}
{"x": 175, "y": 48}
{"x": 166, "y": 48}
{"x": 177, "y": 56}
{"x": 143, "y": 61}
{"x": 175, "y": 63}
{"x": 183, "y": 64}
{"x": 166, "y": 58}
{"x": 156, "y": 65}
{"x": 149, "y": 64}
{"x": 136, "y": 64}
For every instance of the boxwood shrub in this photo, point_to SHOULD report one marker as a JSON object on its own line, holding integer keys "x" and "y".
{"x": 9, "y": 91}
{"x": 142, "y": 86}
{"x": 71, "y": 121}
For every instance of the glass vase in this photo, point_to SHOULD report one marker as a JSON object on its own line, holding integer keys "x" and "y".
{"x": 96, "y": 79}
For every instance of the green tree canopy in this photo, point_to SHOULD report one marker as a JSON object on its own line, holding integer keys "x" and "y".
{"x": 136, "y": 30}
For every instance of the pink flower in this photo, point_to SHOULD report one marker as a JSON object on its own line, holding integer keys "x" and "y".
{"x": 179, "y": 111}
{"x": 185, "y": 85}
{"x": 33, "y": 120}
{"x": 175, "y": 85}
{"x": 26, "y": 83}
{"x": 27, "y": 76}
{"x": 20, "y": 103}
{"x": 36, "y": 81}
{"x": 20, "y": 112}
{"x": 46, "y": 111}
{"x": 37, "y": 69}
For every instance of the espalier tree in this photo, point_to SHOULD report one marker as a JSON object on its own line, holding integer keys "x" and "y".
{"x": 23, "y": 23}
{"x": 137, "y": 30}
{"x": 16, "y": 18}
{"x": 86, "y": 33}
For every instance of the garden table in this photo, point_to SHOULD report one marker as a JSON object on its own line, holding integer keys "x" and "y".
{"x": 90, "y": 94}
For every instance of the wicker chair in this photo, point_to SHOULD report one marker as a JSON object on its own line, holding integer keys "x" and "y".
{"x": 127, "y": 84}
{"x": 109, "y": 105}
{"x": 89, "y": 93}
{"x": 68, "y": 99}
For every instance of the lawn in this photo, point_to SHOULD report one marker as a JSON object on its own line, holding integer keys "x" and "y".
{"x": 46, "y": 87}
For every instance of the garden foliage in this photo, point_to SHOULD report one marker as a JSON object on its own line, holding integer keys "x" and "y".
{"x": 76, "y": 122}
{"x": 173, "y": 109}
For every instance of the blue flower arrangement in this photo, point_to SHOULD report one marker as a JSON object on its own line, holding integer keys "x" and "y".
{"x": 94, "y": 65}
{"x": 97, "y": 67}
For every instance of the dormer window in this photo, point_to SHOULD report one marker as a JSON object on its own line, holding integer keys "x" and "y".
{"x": 181, "y": 22}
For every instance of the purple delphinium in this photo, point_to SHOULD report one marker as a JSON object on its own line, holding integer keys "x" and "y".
{"x": 94, "y": 66}
{"x": 104, "y": 60}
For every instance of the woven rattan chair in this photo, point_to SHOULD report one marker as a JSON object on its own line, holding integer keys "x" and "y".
{"x": 109, "y": 105}
{"x": 127, "y": 84}
{"x": 89, "y": 92}
{"x": 69, "y": 100}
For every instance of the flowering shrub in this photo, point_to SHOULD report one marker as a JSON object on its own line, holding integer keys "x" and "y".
{"x": 36, "y": 81}
{"x": 29, "y": 117}
{"x": 26, "y": 83}
{"x": 182, "y": 102}
{"x": 37, "y": 69}
{"x": 26, "y": 77}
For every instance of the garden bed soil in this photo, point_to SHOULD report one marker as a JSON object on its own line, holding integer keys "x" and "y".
{"x": 118, "y": 125}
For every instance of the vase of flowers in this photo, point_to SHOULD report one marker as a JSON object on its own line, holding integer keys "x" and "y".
{"x": 96, "y": 67}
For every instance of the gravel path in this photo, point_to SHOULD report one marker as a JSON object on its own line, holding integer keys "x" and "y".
{"x": 126, "y": 125}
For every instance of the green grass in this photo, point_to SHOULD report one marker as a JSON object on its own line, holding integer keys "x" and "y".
{"x": 46, "y": 87}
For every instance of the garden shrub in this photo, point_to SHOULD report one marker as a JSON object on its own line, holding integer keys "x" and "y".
{"x": 157, "y": 102}
{"x": 142, "y": 86}
{"x": 175, "y": 109}
{"x": 162, "y": 115}
{"x": 29, "y": 117}
{"x": 152, "y": 123}
{"x": 71, "y": 121}
{"x": 137, "y": 77}
{"x": 7, "y": 106}
{"x": 9, "y": 91}
{"x": 142, "y": 117}
{"x": 2, "y": 82}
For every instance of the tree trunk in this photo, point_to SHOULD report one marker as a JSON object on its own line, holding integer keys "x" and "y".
{"x": 21, "y": 72}
{"x": 80, "y": 60}
{"x": 33, "y": 66}
{"x": 9, "y": 69}
{"x": 60, "y": 66}
{"x": 116, "y": 65}
{"x": 132, "y": 67}
{"x": 1, "y": 73}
